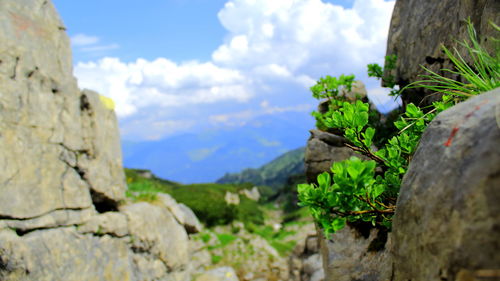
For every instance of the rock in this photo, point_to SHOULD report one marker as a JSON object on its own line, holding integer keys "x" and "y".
{"x": 419, "y": 28}
{"x": 191, "y": 222}
{"x": 252, "y": 194}
{"x": 348, "y": 255}
{"x": 219, "y": 274}
{"x": 312, "y": 264}
{"x": 305, "y": 262}
{"x": 61, "y": 177}
{"x": 63, "y": 254}
{"x": 322, "y": 150}
{"x": 358, "y": 91}
{"x": 60, "y": 146}
{"x": 312, "y": 244}
{"x": 51, "y": 220}
{"x": 112, "y": 223}
{"x": 102, "y": 163}
{"x": 156, "y": 232}
{"x": 183, "y": 214}
{"x": 447, "y": 218}
{"x": 232, "y": 198}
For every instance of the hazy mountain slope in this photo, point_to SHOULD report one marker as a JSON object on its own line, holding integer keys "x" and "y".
{"x": 274, "y": 173}
{"x": 207, "y": 156}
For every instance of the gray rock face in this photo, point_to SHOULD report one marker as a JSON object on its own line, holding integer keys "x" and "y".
{"x": 448, "y": 212}
{"x": 61, "y": 179}
{"x": 219, "y": 274}
{"x": 322, "y": 150}
{"x": 78, "y": 257}
{"x": 420, "y": 27}
{"x": 143, "y": 222}
{"x": 348, "y": 255}
{"x": 182, "y": 213}
{"x": 57, "y": 143}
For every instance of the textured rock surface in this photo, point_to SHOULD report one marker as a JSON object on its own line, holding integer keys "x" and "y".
{"x": 57, "y": 142}
{"x": 420, "y": 27}
{"x": 348, "y": 255}
{"x": 61, "y": 179}
{"x": 63, "y": 254}
{"x": 183, "y": 214}
{"x": 306, "y": 263}
{"x": 112, "y": 223}
{"x": 322, "y": 150}
{"x": 150, "y": 226}
{"x": 219, "y": 274}
{"x": 448, "y": 212}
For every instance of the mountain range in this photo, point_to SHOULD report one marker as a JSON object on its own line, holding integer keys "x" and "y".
{"x": 273, "y": 174}
{"x": 209, "y": 155}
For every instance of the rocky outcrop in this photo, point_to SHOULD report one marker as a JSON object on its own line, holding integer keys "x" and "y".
{"x": 219, "y": 274}
{"x": 447, "y": 214}
{"x": 63, "y": 211}
{"x": 419, "y": 28}
{"x": 356, "y": 253}
{"x": 306, "y": 263}
{"x": 322, "y": 150}
{"x": 447, "y": 219}
{"x": 338, "y": 256}
{"x": 252, "y": 194}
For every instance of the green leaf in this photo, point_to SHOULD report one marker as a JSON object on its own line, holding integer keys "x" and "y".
{"x": 378, "y": 189}
{"x": 338, "y": 224}
{"x": 324, "y": 179}
{"x": 353, "y": 171}
{"x": 368, "y": 136}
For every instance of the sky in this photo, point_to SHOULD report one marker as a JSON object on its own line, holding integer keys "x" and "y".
{"x": 183, "y": 66}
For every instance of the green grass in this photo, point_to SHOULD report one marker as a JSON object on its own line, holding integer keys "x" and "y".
{"x": 275, "y": 238}
{"x": 283, "y": 248}
{"x": 206, "y": 200}
{"x": 483, "y": 74}
{"x": 225, "y": 239}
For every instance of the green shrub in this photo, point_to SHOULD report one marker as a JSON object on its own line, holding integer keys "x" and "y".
{"x": 208, "y": 203}
{"x": 366, "y": 191}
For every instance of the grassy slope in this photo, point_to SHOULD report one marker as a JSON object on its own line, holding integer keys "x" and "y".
{"x": 206, "y": 200}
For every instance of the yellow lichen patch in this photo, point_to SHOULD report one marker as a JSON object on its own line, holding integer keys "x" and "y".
{"x": 107, "y": 102}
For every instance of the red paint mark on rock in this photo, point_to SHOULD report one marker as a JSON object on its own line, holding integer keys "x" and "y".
{"x": 467, "y": 116}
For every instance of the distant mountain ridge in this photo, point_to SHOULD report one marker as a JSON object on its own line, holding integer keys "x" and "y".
{"x": 273, "y": 174}
{"x": 206, "y": 156}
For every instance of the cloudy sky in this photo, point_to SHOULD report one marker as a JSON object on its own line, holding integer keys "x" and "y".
{"x": 179, "y": 66}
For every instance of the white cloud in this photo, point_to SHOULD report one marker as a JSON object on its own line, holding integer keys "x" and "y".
{"x": 90, "y": 44}
{"x": 161, "y": 83}
{"x": 303, "y": 35}
{"x": 100, "y": 48}
{"x": 273, "y": 52}
{"x": 83, "y": 40}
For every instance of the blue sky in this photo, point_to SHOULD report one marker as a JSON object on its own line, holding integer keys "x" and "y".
{"x": 181, "y": 66}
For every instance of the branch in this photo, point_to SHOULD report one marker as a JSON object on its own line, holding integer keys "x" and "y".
{"x": 368, "y": 153}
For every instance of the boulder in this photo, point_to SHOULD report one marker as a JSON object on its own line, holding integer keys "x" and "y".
{"x": 323, "y": 149}
{"x": 62, "y": 185}
{"x": 219, "y": 274}
{"x": 447, "y": 221}
{"x": 53, "y": 219}
{"x": 232, "y": 198}
{"x": 354, "y": 253}
{"x": 112, "y": 223}
{"x": 60, "y": 146}
{"x": 63, "y": 254}
{"x": 252, "y": 194}
{"x": 419, "y": 28}
{"x": 182, "y": 213}
{"x": 191, "y": 222}
{"x": 157, "y": 234}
